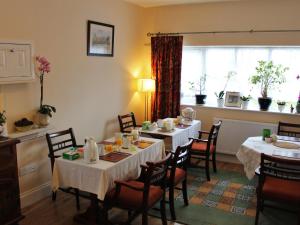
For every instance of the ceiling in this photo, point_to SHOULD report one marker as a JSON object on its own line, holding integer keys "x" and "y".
{"x": 154, "y": 3}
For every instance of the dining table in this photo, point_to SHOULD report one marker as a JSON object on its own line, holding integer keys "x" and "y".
{"x": 249, "y": 153}
{"x": 176, "y": 137}
{"x": 98, "y": 178}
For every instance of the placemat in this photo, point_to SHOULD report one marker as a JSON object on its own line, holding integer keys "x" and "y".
{"x": 288, "y": 138}
{"x": 114, "y": 156}
{"x": 182, "y": 126}
{"x": 143, "y": 144}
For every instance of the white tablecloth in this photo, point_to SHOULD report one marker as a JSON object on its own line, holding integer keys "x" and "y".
{"x": 99, "y": 178}
{"x": 178, "y": 136}
{"x": 250, "y": 151}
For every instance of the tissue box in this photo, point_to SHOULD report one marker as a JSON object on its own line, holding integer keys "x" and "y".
{"x": 70, "y": 155}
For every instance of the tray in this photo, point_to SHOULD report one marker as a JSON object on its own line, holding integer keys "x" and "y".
{"x": 114, "y": 156}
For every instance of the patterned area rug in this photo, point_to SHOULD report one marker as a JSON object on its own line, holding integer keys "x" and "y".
{"x": 228, "y": 199}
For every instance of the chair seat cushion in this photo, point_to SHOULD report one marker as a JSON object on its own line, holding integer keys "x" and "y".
{"x": 285, "y": 190}
{"x": 180, "y": 175}
{"x": 201, "y": 146}
{"x": 133, "y": 199}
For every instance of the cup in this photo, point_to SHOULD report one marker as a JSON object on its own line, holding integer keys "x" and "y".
{"x": 266, "y": 133}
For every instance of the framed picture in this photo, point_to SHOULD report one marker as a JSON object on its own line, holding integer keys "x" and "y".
{"x": 232, "y": 99}
{"x": 100, "y": 39}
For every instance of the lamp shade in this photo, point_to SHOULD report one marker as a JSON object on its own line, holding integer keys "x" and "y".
{"x": 146, "y": 85}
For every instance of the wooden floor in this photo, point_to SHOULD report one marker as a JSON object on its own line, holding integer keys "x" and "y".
{"x": 63, "y": 210}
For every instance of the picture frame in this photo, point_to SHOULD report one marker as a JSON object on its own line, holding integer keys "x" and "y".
{"x": 233, "y": 99}
{"x": 100, "y": 39}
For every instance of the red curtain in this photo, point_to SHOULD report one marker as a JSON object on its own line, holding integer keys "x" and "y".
{"x": 166, "y": 55}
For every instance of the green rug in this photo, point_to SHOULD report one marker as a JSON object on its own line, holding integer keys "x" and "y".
{"x": 228, "y": 199}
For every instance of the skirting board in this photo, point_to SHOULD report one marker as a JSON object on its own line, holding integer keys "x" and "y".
{"x": 36, "y": 194}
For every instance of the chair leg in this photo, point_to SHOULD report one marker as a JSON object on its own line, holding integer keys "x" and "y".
{"x": 207, "y": 169}
{"x": 184, "y": 192}
{"x": 171, "y": 203}
{"x": 77, "y": 199}
{"x": 214, "y": 162}
{"x": 163, "y": 212}
{"x": 258, "y": 208}
{"x": 145, "y": 218}
{"x": 53, "y": 196}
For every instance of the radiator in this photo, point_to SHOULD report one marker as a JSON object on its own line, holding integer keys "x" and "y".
{"x": 234, "y": 132}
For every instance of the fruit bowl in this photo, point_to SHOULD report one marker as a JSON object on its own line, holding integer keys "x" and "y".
{"x": 23, "y": 125}
{"x": 24, "y": 128}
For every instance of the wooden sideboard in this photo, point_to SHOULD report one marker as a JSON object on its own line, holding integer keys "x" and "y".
{"x": 10, "y": 210}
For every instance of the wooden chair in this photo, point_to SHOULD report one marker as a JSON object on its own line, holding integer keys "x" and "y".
{"x": 58, "y": 141}
{"x": 278, "y": 182}
{"x": 127, "y": 122}
{"x": 138, "y": 196}
{"x": 178, "y": 174}
{"x": 288, "y": 129}
{"x": 202, "y": 149}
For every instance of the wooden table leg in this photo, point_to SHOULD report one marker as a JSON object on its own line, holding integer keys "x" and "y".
{"x": 93, "y": 215}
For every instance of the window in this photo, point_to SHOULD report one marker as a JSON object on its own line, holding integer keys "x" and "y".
{"x": 216, "y": 62}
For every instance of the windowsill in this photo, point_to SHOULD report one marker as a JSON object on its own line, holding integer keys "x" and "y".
{"x": 242, "y": 110}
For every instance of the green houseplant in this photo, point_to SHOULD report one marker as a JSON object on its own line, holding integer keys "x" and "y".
{"x": 267, "y": 76}
{"x": 200, "y": 98}
{"x": 245, "y": 101}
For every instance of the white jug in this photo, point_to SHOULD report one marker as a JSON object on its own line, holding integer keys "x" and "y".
{"x": 91, "y": 154}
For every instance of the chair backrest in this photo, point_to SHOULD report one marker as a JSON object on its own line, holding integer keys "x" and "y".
{"x": 127, "y": 122}
{"x": 288, "y": 129}
{"x": 281, "y": 168}
{"x": 58, "y": 141}
{"x": 154, "y": 173}
{"x": 180, "y": 159}
{"x": 213, "y": 134}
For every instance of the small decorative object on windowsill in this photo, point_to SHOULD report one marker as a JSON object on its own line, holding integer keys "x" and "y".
{"x": 45, "y": 111}
{"x": 245, "y": 101}
{"x": 292, "y": 108}
{"x": 200, "y": 98}
{"x": 281, "y": 105}
{"x": 220, "y": 95}
{"x": 3, "y": 125}
{"x": 268, "y": 75}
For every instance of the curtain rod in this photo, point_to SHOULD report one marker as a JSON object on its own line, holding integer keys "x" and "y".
{"x": 222, "y": 32}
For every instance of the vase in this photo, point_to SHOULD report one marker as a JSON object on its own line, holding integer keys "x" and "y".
{"x": 200, "y": 99}
{"x": 281, "y": 108}
{"x": 298, "y": 107}
{"x": 220, "y": 102}
{"x": 264, "y": 103}
{"x": 43, "y": 119}
{"x": 245, "y": 104}
{"x": 3, "y": 130}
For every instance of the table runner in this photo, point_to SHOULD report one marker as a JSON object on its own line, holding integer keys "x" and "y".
{"x": 99, "y": 178}
{"x": 179, "y": 136}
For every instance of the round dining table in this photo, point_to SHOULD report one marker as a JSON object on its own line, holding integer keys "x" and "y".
{"x": 249, "y": 153}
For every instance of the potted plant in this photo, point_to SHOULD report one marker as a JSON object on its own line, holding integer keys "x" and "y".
{"x": 3, "y": 126}
{"x": 220, "y": 95}
{"x": 281, "y": 105}
{"x": 267, "y": 75}
{"x": 245, "y": 101}
{"x": 200, "y": 98}
{"x": 45, "y": 111}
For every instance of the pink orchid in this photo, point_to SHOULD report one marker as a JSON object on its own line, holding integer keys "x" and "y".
{"x": 44, "y": 65}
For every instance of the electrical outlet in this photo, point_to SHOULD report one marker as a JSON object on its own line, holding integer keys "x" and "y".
{"x": 31, "y": 168}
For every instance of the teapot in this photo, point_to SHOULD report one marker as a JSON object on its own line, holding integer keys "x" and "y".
{"x": 91, "y": 154}
{"x": 188, "y": 115}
